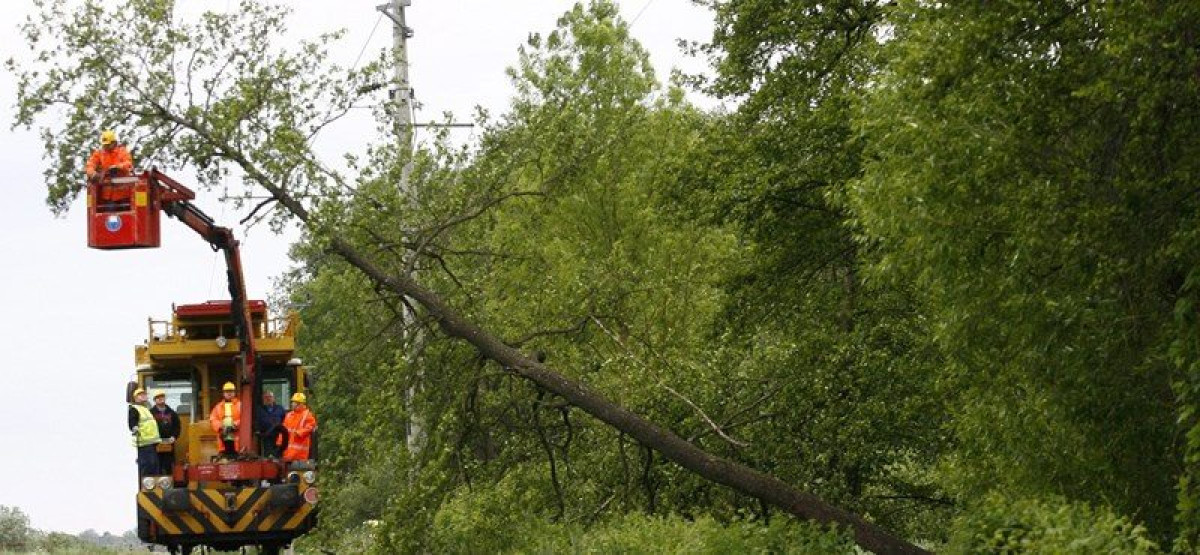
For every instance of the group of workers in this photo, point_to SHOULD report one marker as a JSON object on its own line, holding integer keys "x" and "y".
{"x": 283, "y": 434}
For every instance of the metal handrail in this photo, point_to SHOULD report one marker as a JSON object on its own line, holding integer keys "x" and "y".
{"x": 165, "y": 331}
{"x": 168, "y": 331}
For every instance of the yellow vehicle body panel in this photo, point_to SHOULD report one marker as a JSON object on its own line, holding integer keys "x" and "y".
{"x": 211, "y": 513}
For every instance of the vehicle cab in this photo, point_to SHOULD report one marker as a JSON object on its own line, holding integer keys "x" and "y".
{"x": 191, "y": 355}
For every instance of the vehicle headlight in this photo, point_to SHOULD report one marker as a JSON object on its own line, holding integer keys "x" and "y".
{"x": 310, "y": 477}
{"x": 165, "y": 482}
{"x": 310, "y": 495}
{"x": 293, "y": 477}
{"x": 147, "y": 483}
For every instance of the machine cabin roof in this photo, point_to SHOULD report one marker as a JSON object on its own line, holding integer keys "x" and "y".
{"x": 217, "y": 309}
{"x": 206, "y": 330}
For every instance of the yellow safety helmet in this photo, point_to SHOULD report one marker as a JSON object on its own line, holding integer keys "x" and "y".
{"x": 107, "y": 137}
{"x": 158, "y": 393}
{"x": 229, "y": 387}
{"x": 138, "y": 391}
{"x": 299, "y": 398}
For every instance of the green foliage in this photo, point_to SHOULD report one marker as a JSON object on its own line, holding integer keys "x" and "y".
{"x": 851, "y": 357}
{"x": 1185, "y": 353}
{"x": 14, "y": 528}
{"x": 60, "y": 543}
{"x": 562, "y": 201}
{"x": 211, "y": 94}
{"x": 1001, "y": 525}
{"x": 502, "y": 517}
{"x": 637, "y": 533}
{"x": 1026, "y": 173}
{"x": 499, "y": 520}
{"x": 16, "y": 536}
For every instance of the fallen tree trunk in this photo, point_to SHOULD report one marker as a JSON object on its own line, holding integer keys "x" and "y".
{"x": 723, "y": 471}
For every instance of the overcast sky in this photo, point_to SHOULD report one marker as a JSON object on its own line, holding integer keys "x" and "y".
{"x": 70, "y": 316}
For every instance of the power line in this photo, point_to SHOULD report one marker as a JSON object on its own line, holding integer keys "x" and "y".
{"x": 366, "y": 43}
{"x": 640, "y": 12}
{"x": 212, "y": 272}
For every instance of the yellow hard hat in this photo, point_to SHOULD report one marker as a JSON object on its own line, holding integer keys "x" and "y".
{"x": 108, "y": 136}
{"x": 229, "y": 387}
{"x": 158, "y": 393}
{"x": 138, "y": 391}
{"x": 299, "y": 398}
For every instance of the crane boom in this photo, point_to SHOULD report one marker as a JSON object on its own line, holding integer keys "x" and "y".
{"x": 175, "y": 200}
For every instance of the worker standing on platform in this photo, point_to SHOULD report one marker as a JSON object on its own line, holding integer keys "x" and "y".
{"x": 168, "y": 430}
{"x": 300, "y": 424}
{"x": 226, "y": 418}
{"x": 145, "y": 434}
{"x": 111, "y": 159}
{"x": 268, "y": 418}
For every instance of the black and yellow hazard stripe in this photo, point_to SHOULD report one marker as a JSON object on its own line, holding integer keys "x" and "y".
{"x": 210, "y": 514}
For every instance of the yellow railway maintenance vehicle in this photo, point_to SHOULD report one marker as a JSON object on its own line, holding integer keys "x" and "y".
{"x": 206, "y": 501}
{"x": 220, "y": 502}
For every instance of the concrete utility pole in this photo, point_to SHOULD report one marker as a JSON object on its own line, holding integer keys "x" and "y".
{"x": 402, "y": 92}
{"x": 402, "y": 97}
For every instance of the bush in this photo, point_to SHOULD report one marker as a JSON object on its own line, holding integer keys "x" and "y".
{"x": 501, "y": 519}
{"x": 1002, "y": 525}
{"x": 14, "y": 528}
{"x": 639, "y": 533}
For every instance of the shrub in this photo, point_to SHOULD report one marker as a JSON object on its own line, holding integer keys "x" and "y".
{"x": 1054, "y": 525}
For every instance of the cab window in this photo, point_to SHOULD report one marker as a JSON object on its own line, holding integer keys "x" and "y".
{"x": 277, "y": 381}
{"x": 280, "y": 387}
{"x": 178, "y": 387}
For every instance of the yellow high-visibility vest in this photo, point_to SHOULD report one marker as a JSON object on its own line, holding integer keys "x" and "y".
{"x": 227, "y": 421}
{"x": 147, "y": 429}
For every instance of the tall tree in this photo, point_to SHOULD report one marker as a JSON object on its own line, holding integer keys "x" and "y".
{"x": 853, "y": 356}
{"x": 15, "y": 533}
{"x": 1030, "y": 169}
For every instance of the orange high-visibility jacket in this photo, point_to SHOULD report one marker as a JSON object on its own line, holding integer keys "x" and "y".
{"x": 118, "y": 157}
{"x": 300, "y": 424}
{"x": 216, "y": 419}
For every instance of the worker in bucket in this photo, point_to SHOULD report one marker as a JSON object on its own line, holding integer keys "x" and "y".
{"x": 112, "y": 159}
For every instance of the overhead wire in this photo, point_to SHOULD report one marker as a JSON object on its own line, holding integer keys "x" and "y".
{"x": 225, "y": 186}
{"x": 225, "y": 193}
{"x": 366, "y": 43}
{"x": 212, "y": 272}
{"x": 640, "y": 12}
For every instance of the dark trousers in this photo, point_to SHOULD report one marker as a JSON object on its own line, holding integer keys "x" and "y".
{"x": 166, "y": 462}
{"x": 227, "y": 448}
{"x": 269, "y": 449}
{"x": 147, "y": 460}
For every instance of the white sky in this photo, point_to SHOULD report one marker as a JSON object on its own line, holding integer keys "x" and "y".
{"x": 70, "y": 316}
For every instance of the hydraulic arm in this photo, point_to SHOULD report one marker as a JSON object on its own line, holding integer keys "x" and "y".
{"x": 175, "y": 200}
